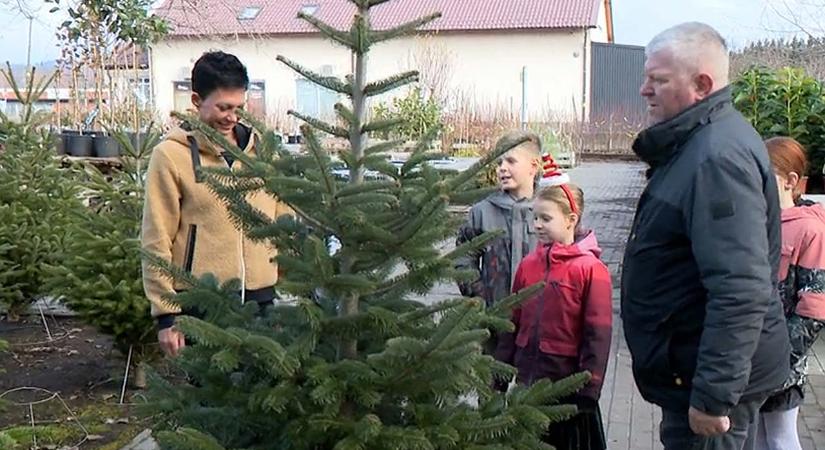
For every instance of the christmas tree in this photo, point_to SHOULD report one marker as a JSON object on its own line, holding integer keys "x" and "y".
{"x": 352, "y": 362}
{"x": 99, "y": 272}
{"x": 37, "y": 198}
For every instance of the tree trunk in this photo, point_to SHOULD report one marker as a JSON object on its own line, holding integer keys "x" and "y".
{"x": 358, "y": 143}
{"x": 135, "y": 68}
{"x": 139, "y": 376}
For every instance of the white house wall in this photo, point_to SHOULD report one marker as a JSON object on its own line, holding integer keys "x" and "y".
{"x": 486, "y": 67}
{"x": 599, "y": 34}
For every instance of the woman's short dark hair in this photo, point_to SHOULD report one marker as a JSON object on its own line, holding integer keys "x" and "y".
{"x": 218, "y": 70}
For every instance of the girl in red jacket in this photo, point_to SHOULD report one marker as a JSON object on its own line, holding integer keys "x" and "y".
{"x": 801, "y": 288}
{"x": 567, "y": 328}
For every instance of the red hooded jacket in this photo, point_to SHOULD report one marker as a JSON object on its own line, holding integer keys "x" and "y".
{"x": 567, "y": 328}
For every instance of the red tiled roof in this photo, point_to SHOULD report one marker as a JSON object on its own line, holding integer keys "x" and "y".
{"x": 220, "y": 17}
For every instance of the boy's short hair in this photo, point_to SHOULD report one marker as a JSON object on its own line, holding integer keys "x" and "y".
{"x": 532, "y": 145}
{"x": 218, "y": 70}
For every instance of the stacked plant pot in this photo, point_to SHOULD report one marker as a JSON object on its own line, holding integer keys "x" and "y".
{"x": 105, "y": 146}
{"x": 88, "y": 144}
{"x": 77, "y": 143}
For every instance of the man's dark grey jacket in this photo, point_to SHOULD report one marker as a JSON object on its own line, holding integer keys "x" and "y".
{"x": 700, "y": 306}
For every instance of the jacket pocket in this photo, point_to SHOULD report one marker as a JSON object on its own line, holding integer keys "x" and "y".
{"x": 189, "y": 255}
{"x": 661, "y": 356}
{"x": 651, "y": 357}
{"x": 683, "y": 352}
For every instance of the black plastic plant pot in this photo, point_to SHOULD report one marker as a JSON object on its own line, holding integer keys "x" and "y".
{"x": 79, "y": 144}
{"x": 106, "y": 146}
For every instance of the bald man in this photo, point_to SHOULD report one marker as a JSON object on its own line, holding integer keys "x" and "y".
{"x": 700, "y": 305}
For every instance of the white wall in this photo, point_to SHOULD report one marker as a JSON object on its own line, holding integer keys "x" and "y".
{"x": 487, "y": 66}
{"x": 599, "y": 34}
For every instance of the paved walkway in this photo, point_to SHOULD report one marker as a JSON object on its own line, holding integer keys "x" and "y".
{"x": 611, "y": 191}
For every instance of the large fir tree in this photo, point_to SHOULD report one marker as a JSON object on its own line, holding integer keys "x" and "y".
{"x": 353, "y": 363}
{"x": 97, "y": 275}
{"x": 37, "y": 197}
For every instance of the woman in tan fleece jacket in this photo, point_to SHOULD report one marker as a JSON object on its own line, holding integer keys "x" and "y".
{"x": 183, "y": 221}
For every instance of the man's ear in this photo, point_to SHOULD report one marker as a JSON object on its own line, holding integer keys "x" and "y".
{"x": 196, "y": 100}
{"x": 704, "y": 85}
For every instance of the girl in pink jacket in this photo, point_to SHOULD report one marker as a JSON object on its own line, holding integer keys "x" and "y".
{"x": 802, "y": 289}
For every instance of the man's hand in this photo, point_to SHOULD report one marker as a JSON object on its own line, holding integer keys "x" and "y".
{"x": 171, "y": 341}
{"x": 706, "y": 425}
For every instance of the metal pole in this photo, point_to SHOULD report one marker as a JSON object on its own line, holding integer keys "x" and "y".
{"x": 524, "y": 98}
{"x": 29, "y": 51}
{"x": 126, "y": 375}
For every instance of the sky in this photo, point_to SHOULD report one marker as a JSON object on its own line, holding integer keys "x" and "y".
{"x": 635, "y": 22}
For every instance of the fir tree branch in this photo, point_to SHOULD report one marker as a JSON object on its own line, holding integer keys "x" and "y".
{"x": 206, "y": 333}
{"x": 330, "y": 82}
{"x": 368, "y": 199}
{"x": 503, "y": 147}
{"x": 340, "y": 37}
{"x": 381, "y": 125}
{"x": 420, "y": 154}
{"x": 271, "y": 356}
{"x": 505, "y": 305}
{"x": 371, "y": 233}
{"x": 547, "y": 392}
{"x": 345, "y": 114}
{"x": 270, "y": 144}
{"x": 410, "y": 27}
{"x": 473, "y": 245}
{"x": 281, "y": 185}
{"x": 388, "y": 84}
{"x": 428, "y": 210}
{"x": 312, "y": 222}
{"x": 321, "y": 158}
{"x": 430, "y": 310}
{"x": 321, "y": 125}
{"x": 380, "y": 165}
{"x": 469, "y": 197}
{"x": 168, "y": 269}
{"x": 367, "y": 186}
{"x": 558, "y": 413}
{"x": 349, "y": 327}
{"x": 448, "y": 326}
{"x": 244, "y": 216}
{"x": 382, "y": 147}
{"x": 361, "y": 33}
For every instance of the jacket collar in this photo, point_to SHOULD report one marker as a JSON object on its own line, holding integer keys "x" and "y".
{"x": 206, "y": 145}
{"x": 658, "y": 143}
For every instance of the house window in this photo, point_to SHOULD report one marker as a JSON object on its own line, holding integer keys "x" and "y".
{"x": 182, "y": 91}
{"x": 249, "y": 13}
{"x": 256, "y": 99}
{"x": 142, "y": 89}
{"x": 314, "y": 100}
{"x": 309, "y": 9}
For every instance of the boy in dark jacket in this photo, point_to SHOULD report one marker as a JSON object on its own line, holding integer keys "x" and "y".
{"x": 508, "y": 210}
